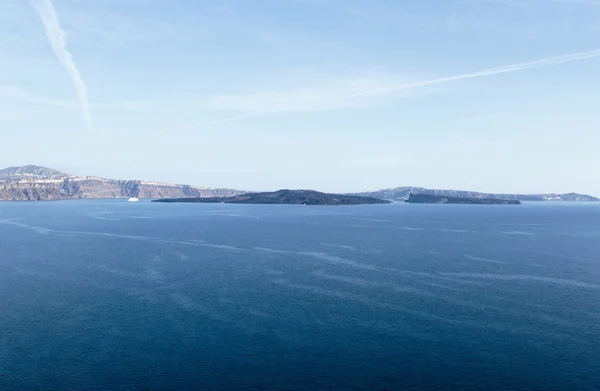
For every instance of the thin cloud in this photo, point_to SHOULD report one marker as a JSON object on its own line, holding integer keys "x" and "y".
{"x": 219, "y": 121}
{"x": 546, "y": 62}
{"x": 8, "y": 92}
{"x": 17, "y": 94}
{"x": 56, "y": 36}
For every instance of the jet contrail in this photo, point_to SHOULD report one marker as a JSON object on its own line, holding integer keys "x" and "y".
{"x": 56, "y": 36}
{"x": 486, "y": 72}
{"x": 545, "y": 62}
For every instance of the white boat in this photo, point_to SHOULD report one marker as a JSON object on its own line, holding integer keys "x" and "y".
{"x": 133, "y": 199}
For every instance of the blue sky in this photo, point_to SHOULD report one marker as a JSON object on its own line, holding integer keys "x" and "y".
{"x": 336, "y": 95}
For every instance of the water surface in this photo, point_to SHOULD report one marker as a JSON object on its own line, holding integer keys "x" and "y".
{"x": 110, "y": 295}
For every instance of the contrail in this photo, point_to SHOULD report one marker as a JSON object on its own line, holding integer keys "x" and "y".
{"x": 56, "y": 36}
{"x": 485, "y": 72}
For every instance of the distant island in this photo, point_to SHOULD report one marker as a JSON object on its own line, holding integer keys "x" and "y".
{"x": 435, "y": 199}
{"x": 402, "y": 193}
{"x": 37, "y": 183}
{"x": 290, "y": 197}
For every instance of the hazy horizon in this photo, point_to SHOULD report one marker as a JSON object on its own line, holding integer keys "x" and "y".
{"x": 495, "y": 96}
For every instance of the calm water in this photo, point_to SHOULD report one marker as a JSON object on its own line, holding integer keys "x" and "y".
{"x": 110, "y": 295}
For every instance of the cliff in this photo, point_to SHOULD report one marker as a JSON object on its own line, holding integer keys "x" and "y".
{"x": 402, "y": 193}
{"x": 41, "y": 183}
{"x": 293, "y": 197}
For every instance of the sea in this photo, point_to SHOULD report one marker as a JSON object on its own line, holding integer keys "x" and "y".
{"x": 113, "y": 295}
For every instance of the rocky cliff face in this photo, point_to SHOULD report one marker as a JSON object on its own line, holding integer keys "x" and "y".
{"x": 402, "y": 193}
{"x": 40, "y": 183}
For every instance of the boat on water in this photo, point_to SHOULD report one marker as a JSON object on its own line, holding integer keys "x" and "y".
{"x": 133, "y": 199}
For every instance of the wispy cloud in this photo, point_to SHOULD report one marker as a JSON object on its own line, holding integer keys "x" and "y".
{"x": 56, "y": 36}
{"x": 541, "y": 63}
{"x": 323, "y": 93}
{"x": 17, "y": 94}
{"x": 218, "y": 121}
{"x": 12, "y": 93}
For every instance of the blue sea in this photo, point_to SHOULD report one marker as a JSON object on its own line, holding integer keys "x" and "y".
{"x": 111, "y": 295}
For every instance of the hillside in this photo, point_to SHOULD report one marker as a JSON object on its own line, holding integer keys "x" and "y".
{"x": 41, "y": 183}
{"x": 30, "y": 172}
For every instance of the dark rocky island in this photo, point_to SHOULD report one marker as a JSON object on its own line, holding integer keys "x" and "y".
{"x": 436, "y": 199}
{"x": 293, "y": 197}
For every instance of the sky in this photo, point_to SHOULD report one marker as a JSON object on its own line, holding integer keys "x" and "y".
{"x": 333, "y": 95}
